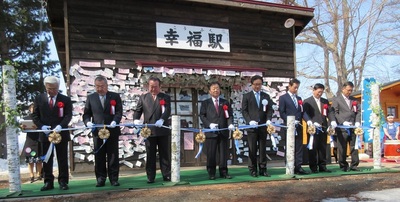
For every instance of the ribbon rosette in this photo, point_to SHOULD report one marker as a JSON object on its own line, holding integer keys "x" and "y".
{"x": 325, "y": 110}
{"x": 104, "y": 133}
{"x": 271, "y": 129}
{"x": 354, "y": 106}
{"x": 264, "y": 102}
{"x": 162, "y": 103}
{"x": 60, "y": 106}
{"x": 113, "y": 103}
{"x": 358, "y": 131}
{"x": 145, "y": 132}
{"x": 225, "y": 107}
{"x": 301, "y": 105}
{"x": 54, "y": 137}
{"x": 237, "y": 134}
{"x": 200, "y": 138}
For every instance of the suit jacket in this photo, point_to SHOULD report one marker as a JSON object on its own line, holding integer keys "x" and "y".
{"x": 43, "y": 115}
{"x": 95, "y": 113}
{"x": 288, "y": 108}
{"x": 208, "y": 115}
{"x": 251, "y": 111}
{"x": 343, "y": 112}
{"x": 313, "y": 113}
{"x": 151, "y": 109}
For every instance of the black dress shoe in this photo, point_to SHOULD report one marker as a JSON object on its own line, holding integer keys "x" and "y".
{"x": 100, "y": 184}
{"x": 324, "y": 170}
{"x": 301, "y": 171}
{"x": 253, "y": 173}
{"x": 355, "y": 169}
{"x": 47, "y": 186}
{"x": 167, "y": 179}
{"x": 226, "y": 176}
{"x": 211, "y": 177}
{"x": 265, "y": 173}
{"x": 115, "y": 183}
{"x": 64, "y": 186}
{"x": 344, "y": 169}
{"x": 314, "y": 171}
{"x": 150, "y": 181}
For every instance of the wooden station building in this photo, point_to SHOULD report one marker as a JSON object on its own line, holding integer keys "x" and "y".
{"x": 186, "y": 43}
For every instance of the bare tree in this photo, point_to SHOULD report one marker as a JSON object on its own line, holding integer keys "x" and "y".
{"x": 345, "y": 36}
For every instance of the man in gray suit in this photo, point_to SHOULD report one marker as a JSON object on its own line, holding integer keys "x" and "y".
{"x": 347, "y": 113}
{"x": 104, "y": 107}
{"x": 156, "y": 108}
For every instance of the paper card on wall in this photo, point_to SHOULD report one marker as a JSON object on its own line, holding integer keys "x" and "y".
{"x": 246, "y": 149}
{"x": 138, "y": 164}
{"x": 188, "y": 141}
{"x": 108, "y": 73}
{"x": 89, "y": 64}
{"x": 129, "y": 164}
{"x": 279, "y": 153}
{"x": 120, "y": 76}
{"x": 90, "y": 157}
{"x": 142, "y": 156}
{"x": 246, "y": 153}
{"x": 109, "y": 62}
{"x": 79, "y": 156}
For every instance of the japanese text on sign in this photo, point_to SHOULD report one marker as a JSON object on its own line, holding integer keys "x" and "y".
{"x": 192, "y": 37}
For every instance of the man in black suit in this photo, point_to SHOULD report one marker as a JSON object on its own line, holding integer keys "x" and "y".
{"x": 318, "y": 111}
{"x": 53, "y": 111}
{"x": 347, "y": 112}
{"x": 104, "y": 108}
{"x": 257, "y": 109}
{"x": 156, "y": 108}
{"x": 215, "y": 113}
{"x": 291, "y": 105}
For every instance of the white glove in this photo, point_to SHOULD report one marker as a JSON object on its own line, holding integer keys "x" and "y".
{"x": 159, "y": 123}
{"x": 296, "y": 122}
{"x": 309, "y": 123}
{"x": 58, "y": 128}
{"x": 253, "y": 123}
{"x": 213, "y": 126}
{"x": 317, "y": 124}
{"x": 231, "y": 127}
{"x": 333, "y": 124}
{"x": 269, "y": 122}
{"x": 357, "y": 124}
{"x": 89, "y": 124}
{"x": 113, "y": 124}
{"x": 137, "y": 122}
{"x": 44, "y": 127}
{"x": 346, "y": 123}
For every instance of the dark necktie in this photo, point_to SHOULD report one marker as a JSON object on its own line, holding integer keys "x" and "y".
{"x": 51, "y": 102}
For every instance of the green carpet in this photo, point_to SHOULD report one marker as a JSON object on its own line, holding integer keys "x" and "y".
{"x": 188, "y": 177}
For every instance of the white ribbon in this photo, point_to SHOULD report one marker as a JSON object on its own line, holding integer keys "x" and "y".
{"x": 273, "y": 142}
{"x": 324, "y": 112}
{"x": 264, "y": 103}
{"x": 200, "y": 150}
{"x": 310, "y": 143}
{"x": 61, "y": 112}
{"x": 49, "y": 152}
{"x": 357, "y": 145}
{"x": 112, "y": 110}
{"x": 162, "y": 109}
{"x": 226, "y": 114}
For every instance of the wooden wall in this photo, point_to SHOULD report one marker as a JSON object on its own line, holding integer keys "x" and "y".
{"x": 125, "y": 31}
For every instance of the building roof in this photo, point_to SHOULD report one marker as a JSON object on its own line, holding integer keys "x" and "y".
{"x": 390, "y": 85}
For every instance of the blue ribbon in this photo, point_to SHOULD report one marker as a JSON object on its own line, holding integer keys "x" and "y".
{"x": 237, "y": 147}
{"x": 200, "y": 150}
{"x": 101, "y": 146}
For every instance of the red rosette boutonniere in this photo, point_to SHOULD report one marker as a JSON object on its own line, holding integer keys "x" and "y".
{"x": 354, "y": 106}
{"x": 325, "y": 110}
{"x": 162, "y": 103}
{"x": 113, "y": 103}
{"x": 60, "y": 106}
{"x": 301, "y": 104}
{"x": 225, "y": 107}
